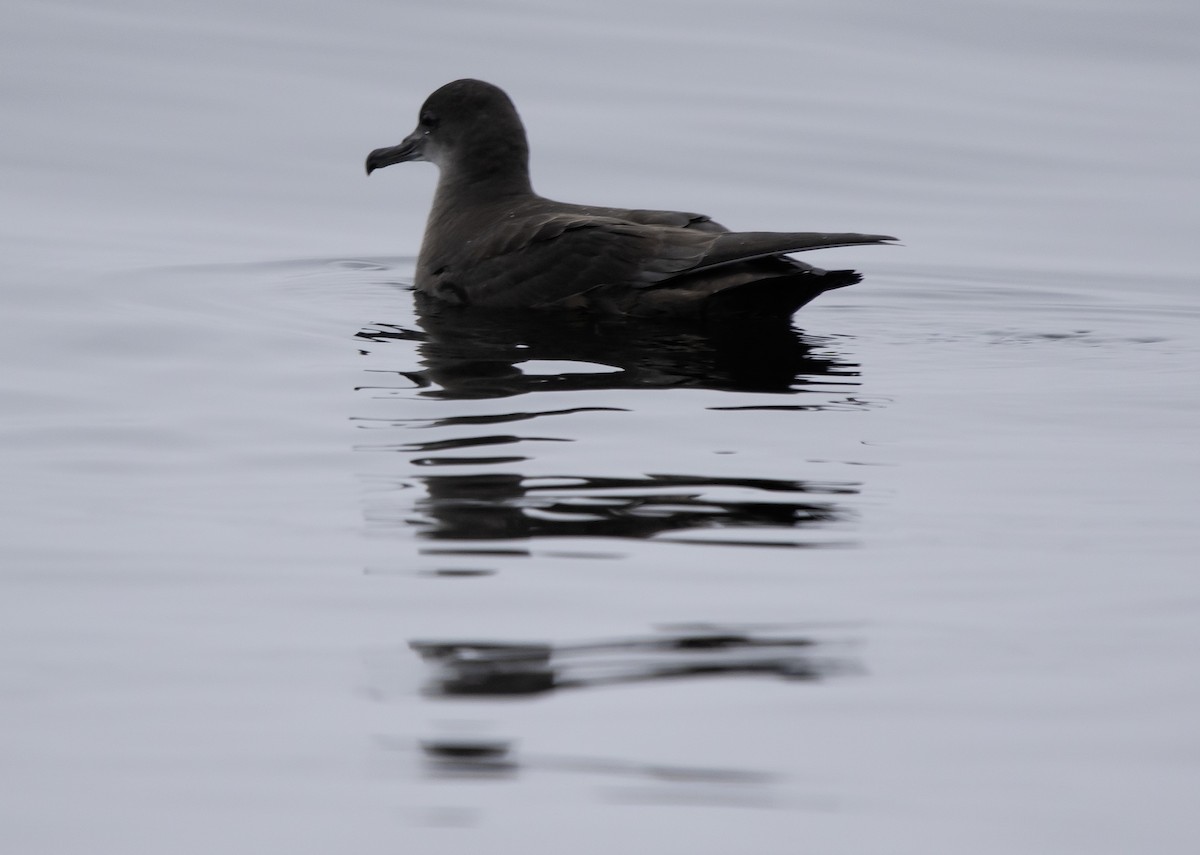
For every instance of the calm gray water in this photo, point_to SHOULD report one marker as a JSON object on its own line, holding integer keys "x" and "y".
{"x": 289, "y": 565}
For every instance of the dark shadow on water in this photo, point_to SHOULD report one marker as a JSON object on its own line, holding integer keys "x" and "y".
{"x": 468, "y": 355}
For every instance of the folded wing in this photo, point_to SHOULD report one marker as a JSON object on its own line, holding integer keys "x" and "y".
{"x": 559, "y": 256}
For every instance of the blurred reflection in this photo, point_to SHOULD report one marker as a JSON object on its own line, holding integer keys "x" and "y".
{"x": 499, "y": 668}
{"x": 495, "y": 506}
{"x": 468, "y": 354}
{"x": 468, "y": 756}
{"x": 465, "y": 355}
{"x": 484, "y": 480}
{"x": 473, "y": 757}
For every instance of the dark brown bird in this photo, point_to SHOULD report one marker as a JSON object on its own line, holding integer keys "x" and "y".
{"x": 492, "y": 242}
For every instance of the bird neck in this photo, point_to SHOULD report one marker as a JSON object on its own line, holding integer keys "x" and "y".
{"x": 500, "y": 169}
{"x": 464, "y": 187}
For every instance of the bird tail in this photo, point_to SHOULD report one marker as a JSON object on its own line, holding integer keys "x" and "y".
{"x": 777, "y": 297}
{"x": 733, "y": 247}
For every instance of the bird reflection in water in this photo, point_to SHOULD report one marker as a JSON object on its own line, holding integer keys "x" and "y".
{"x": 472, "y": 354}
{"x": 480, "y": 502}
{"x": 500, "y": 668}
{"x": 469, "y": 355}
{"x": 501, "y": 507}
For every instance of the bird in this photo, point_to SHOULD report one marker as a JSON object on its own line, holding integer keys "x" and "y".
{"x": 491, "y": 242}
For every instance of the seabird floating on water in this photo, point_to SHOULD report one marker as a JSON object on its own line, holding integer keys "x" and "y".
{"x": 492, "y": 242}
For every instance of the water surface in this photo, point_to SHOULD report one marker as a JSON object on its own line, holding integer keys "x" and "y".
{"x": 292, "y": 562}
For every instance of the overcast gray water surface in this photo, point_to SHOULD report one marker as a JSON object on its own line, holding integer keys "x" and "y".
{"x": 289, "y": 565}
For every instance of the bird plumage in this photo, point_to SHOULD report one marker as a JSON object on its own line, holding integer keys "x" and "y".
{"x": 491, "y": 242}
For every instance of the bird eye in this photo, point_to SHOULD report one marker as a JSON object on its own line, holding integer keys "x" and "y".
{"x": 429, "y": 120}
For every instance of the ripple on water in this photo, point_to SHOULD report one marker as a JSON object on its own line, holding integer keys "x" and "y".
{"x": 589, "y": 366}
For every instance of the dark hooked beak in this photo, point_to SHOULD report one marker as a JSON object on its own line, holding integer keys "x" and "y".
{"x": 413, "y": 148}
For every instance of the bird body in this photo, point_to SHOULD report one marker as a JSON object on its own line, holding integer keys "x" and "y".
{"x": 491, "y": 242}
